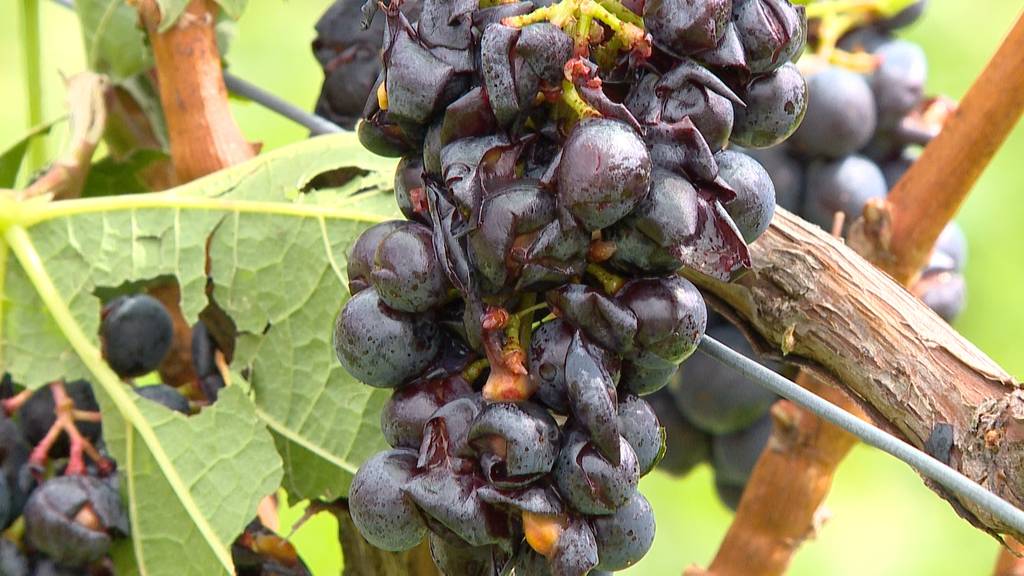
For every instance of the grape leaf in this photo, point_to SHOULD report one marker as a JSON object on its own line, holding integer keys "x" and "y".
{"x": 171, "y": 10}
{"x": 114, "y": 42}
{"x": 10, "y": 158}
{"x": 277, "y": 260}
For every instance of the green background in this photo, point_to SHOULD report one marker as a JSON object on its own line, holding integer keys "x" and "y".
{"x": 883, "y": 521}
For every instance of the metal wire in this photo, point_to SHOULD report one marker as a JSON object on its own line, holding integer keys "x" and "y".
{"x": 926, "y": 465}
{"x": 316, "y": 124}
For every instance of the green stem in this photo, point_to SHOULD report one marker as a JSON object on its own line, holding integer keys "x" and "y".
{"x": 522, "y": 313}
{"x": 472, "y": 372}
{"x": 21, "y": 244}
{"x": 610, "y": 281}
{"x": 34, "y": 78}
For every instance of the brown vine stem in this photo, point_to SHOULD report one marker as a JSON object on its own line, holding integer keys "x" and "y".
{"x": 1009, "y": 563}
{"x": 203, "y": 134}
{"x": 898, "y": 234}
{"x": 793, "y": 476}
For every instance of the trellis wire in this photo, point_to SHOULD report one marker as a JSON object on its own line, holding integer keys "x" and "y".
{"x": 926, "y": 465}
{"x": 922, "y": 462}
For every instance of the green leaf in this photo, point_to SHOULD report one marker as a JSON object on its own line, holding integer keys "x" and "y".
{"x": 110, "y": 177}
{"x": 233, "y": 8}
{"x": 170, "y": 11}
{"x": 114, "y": 42}
{"x": 277, "y": 263}
{"x": 10, "y": 159}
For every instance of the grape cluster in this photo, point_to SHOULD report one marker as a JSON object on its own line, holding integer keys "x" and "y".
{"x": 861, "y": 132}
{"x": 56, "y": 475}
{"x": 863, "y": 129}
{"x": 560, "y": 163}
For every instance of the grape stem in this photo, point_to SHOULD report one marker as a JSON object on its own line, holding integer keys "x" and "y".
{"x": 610, "y": 282}
{"x": 575, "y": 17}
{"x": 80, "y": 446}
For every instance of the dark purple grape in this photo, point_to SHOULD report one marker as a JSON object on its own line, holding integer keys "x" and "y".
{"x": 898, "y": 82}
{"x": 639, "y": 425}
{"x": 841, "y": 186}
{"x": 670, "y": 313}
{"x": 729, "y": 494}
{"x": 645, "y": 373}
{"x": 603, "y": 320}
{"x": 406, "y": 273}
{"x": 382, "y": 347}
{"x": 690, "y": 90}
{"x": 448, "y": 495}
{"x": 446, "y": 433}
{"x": 754, "y": 205}
{"x": 350, "y": 59}
{"x": 945, "y": 293}
{"x": 509, "y": 220}
{"x": 894, "y": 169}
{"x": 548, "y": 348}
{"x": 211, "y": 385}
{"x": 381, "y": 511}
{"x": 605, "y": 171}
{"x": 12, "y": 561}
{"x": 775, "y": 106}
{"x": 203, "y": 350}
{"x": 361, "y": 255}
{"x": 637, "y": 253}
{"x": 624, "y": 537}
{"x": 409, "y": 408}
{"x": 841, "y": 116}
{"x": 575, "y": 551}
{"x": 905, "y": 17}
{"x": 136, "y": 334}
{"x": 684, "y": 27}
{"x": 454, "y": 559}
{"x": 685, "y": 445}
{"x": 728, "y": 55}
{"x": 590, "y": 483}
{"x": 715, "y": 398}
{"x": 14, "y": 487}
{"x": 166, "y": 396}
{"x": 734, "y": 455}
{"x": 418, "y": 83}
{"x": 773, "y": 32}
{"x": 864, "y": 39}
{"x": 517, "y": 443}
{"x": 37, "y": 416}
{"x": 72, "y": 519}
{"x": 409, "y": 191}
{"x": 786, "y": 172}
{"x": 953, "y": 243}
{"x": 516, "y": 63}
{"x": 380, "y": 134}
{"x": 592, "y": 396}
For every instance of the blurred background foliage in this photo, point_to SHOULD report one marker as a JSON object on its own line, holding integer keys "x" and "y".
{"x": 882, "y": 519}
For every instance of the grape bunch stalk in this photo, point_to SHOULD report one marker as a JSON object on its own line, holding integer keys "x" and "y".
{"x": 560, "y": 163}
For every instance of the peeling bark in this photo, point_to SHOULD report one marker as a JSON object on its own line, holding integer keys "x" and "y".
{"x": 815, "y": 302}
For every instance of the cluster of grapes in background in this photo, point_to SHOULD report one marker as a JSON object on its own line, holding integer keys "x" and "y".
{"x": 60, "y": 500}
{"x": 560, "y": 163}
{"x": 866, "y": 120}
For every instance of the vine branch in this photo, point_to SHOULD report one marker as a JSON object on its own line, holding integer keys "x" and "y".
{"x": 814, "y": 301}
{"x": 793, "y": 475}
{"x": 203, "y": 134}
{"x": 899, "y": 232}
